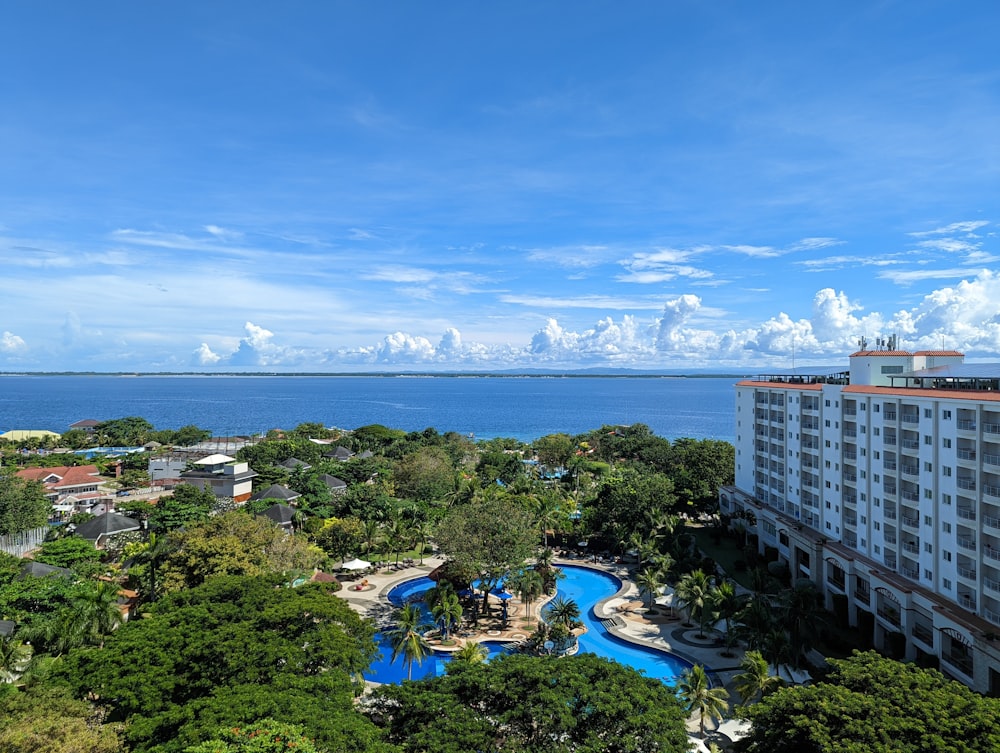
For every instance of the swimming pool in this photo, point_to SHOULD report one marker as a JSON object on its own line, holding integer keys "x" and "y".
{"x": 583, "y": 585}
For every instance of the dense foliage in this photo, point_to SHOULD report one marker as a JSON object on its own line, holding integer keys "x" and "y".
{"x": 522, "y": 704}
{"x": 231, "y": 652}
{"x": 23, "y": 505}
{"x": 869, "y": 703}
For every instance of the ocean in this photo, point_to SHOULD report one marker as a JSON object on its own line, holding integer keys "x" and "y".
{"x": 485, "y": 407}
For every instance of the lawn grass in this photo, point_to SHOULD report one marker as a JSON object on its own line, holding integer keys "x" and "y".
{"x": 726, "y": 553}
{"x": 729, "y": 550}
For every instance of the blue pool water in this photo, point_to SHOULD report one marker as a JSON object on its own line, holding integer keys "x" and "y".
{"x": 583, "y": 585}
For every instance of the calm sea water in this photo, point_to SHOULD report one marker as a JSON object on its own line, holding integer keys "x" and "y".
{"x": 519, "y": 407}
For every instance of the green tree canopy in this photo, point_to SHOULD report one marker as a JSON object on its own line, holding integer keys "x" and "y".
{"x": 23, "y": 505}
{"x": 230, "y": 652}
{"x": 130, "y": 431}
{"x": 540, "y": 704}
{"x": 49, "y": 720}
{"x": 188, "y": 504}
{"x": 870, "y": 703}
{"x": 233, "y": 543}
{"x": 264, "y": 736}
{"x": 627, "y": 501}
{"x": 78, "y": 554}
{"x": 489, "y": 536}
{"x": 426, "y": 475}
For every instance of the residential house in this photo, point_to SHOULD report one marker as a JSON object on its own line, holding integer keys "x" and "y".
{"x": 223, "y": 476}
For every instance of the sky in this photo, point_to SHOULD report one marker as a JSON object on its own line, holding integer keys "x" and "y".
{"x": 329, "y": 186}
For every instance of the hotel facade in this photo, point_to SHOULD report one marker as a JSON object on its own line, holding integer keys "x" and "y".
{"x": 881, "y": 484}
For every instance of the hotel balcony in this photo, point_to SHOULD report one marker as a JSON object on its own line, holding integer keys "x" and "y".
{"x": 967, "y": 543}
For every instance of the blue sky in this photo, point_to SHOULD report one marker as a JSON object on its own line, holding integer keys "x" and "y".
{"x": 344, "y": 186}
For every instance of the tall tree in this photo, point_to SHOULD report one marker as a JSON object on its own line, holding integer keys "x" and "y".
{"x": 489, "y": 536}
{"x": 407, "y": 637}
{"x": 693, "y": 593}
{"x": 755, "y": 679}
{"x": 23, "y": 505}
{"x": 870, "y": 703}
{"x": 649, "y": 581}
{"x": 519, "y": 703}
{"x": 700, "y": 697}
{"x": 229, "y": 652}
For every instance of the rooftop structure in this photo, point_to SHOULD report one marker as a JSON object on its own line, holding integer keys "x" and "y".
{"x": 880, "y": 482}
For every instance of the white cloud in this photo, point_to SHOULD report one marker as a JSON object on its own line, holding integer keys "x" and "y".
{"x": 11, "y": 343}
{"x": 908, "y": 277}
{"x": 954, "y": 227}
{"x": 204, "y": 356}
{"x": 402, "y": 347}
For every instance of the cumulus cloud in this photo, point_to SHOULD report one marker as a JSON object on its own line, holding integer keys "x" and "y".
{"x": 204, "y": 356}
{"x": 686, "y": 333}
{"x": 256, "y": 348}
{"x": 400, "y": 346}
{"x": 11, "y": 343}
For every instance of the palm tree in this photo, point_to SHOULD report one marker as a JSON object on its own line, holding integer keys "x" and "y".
{"x": 471, "y": 653}
{"x": 549, "y": 513}
{"x": 527, "y": 584}
{"x": 447, "y": 613}
{"x": 563, "y": 612}
{"x": 649, "y": 582}
{"x": 728, "y": 603}
{"x": 698, "y": 696}
{"x": 15, "y": 657}
{"x": 95, "y": 613}
{"x": 800, "y": 614}
{"x": 157, "y": 548}
{"x": 693, "y": 591}
{"x": 777, "y": 649}
{"x": 756, "y": 680}
{"x": 372, "y": 529}
{"x": 407, "y": 639}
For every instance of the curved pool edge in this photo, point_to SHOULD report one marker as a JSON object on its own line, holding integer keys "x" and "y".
{"x": 617, "y": 628}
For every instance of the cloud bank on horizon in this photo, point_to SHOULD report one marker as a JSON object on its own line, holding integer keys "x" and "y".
{"x": 335, "y": 187}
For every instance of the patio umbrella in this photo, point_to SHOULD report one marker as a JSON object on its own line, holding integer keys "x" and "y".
{"x": 502, "y": 595}
{"x": 355, "y": 564}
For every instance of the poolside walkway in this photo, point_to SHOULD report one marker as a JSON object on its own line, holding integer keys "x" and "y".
{"x": 625, "y": 615}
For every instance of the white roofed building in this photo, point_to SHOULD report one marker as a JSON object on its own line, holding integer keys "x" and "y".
{"x": 222, "y": 475}
{"x": 880, "y": 482}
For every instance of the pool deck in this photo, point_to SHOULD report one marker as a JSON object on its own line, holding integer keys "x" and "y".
{"x": 625, "y": 615}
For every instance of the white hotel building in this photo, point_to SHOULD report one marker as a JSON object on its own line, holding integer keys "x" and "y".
{"x": 881, "y": 483}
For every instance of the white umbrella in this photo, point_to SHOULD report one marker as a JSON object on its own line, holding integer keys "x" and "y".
{"x": 355, "y": 564}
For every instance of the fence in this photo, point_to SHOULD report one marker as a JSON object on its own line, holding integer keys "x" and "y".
{"x": 21, "y": 543}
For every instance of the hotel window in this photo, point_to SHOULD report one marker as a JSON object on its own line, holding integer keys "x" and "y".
{"x": 928, "y": 548}
{"x": 928, "y": 575}
{"x": 946, "y": 583}
{"x": 928, "y": 440}
{"x": 876, "y": 431}
{"x": 928, "y": 521}
{"x": 946, "y": 442}
{"x": 946, "y": 556}
{"x": 928, "y": 494}
{"x": 946, "y": 470}
{"x": 946, "y": 415}
{"x": 927, "y": 413}
{"x": 945, "y": 499}
{"x": 946, "y": 527}
{"x": 928, "y": 467}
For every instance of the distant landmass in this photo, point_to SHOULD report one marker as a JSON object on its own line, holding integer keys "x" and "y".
{"x": 596, "y": 371}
